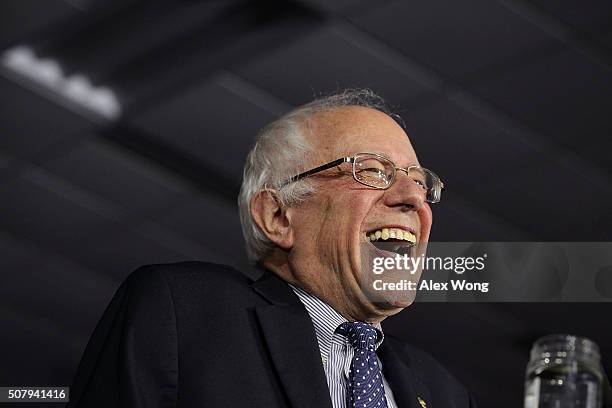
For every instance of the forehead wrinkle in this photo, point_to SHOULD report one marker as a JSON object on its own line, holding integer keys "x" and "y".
{"x": 410, "y": 163}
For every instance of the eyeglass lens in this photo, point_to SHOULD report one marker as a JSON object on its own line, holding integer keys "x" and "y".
{"x": 378, "y": 172}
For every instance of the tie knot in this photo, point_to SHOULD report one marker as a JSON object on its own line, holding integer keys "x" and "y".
{"x": 361, "y": 335}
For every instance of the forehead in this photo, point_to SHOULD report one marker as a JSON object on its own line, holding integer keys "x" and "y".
{"x": 354, "y": 129}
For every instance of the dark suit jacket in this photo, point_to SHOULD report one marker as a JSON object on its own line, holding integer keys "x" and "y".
{"x": 196, "y": 334}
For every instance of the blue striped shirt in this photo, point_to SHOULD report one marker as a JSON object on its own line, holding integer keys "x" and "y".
{"x": 336, "y": 352}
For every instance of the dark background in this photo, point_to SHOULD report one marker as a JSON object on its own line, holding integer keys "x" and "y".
{"x": 509, "y": 101}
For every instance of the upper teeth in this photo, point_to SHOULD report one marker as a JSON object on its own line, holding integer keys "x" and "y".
{"x": 387, "y": 233}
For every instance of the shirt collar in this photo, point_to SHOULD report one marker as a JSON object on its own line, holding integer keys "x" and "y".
{"x": 325, "y": 320}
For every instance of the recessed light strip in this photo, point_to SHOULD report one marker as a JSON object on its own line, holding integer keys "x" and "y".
{"x": 76, "y": 88}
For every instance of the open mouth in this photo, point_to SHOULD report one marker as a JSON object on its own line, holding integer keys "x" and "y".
{"x": 395, "y": 240}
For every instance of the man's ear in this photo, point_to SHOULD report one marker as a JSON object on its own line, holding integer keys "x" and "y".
{"x": 272, "y": 218}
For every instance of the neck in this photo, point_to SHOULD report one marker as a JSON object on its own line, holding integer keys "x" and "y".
{"x": 348, "y": 301}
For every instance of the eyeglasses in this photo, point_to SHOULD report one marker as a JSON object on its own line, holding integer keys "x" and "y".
{"x": 377, "y": 171}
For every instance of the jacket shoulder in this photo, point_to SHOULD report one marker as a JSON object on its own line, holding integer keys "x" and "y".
{"x": 191, "y": 280}
{"x": 190, "y": 271}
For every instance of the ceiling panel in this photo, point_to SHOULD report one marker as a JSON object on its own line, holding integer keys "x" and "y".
{"x": 121, "y": 251}
{"x": 555, "y": 200}
{"x": 327, "y": 61}
{"x": 47, "y": 218}
{"x": 566, "y": 97}
{"x": 467, "y": 152}
{"x": 37, "y": 279}
{"x": 212, "y": 223}
{"x": 22, "y": 17}
{"x": 208, "y": 122}
{"x": 118, "y": 31}
{"x": 80, "y": 228}
{"x": 344, "y": 6}
{"x": 4, "y": 160}
{"x": 606, "y": 38}
{"x": 504, "y": 175}
{"x": 39, "y": 350}
{"x": 454, "y": 38}
{"x": 447, "y": 138}
{"x": 454, "y": 222}
{"x": 588, "y": 16}
{"x": 119, "y": 176}
{"x": 31, "y": 123}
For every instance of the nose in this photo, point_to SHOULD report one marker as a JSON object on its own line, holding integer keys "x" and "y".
{"x": 405, "y": 193}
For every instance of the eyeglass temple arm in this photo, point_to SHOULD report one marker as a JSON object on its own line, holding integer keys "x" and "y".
{"x": 318, "y": 169}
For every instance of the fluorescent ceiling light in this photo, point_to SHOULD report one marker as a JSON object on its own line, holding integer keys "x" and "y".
{"x": 76, "y": 88}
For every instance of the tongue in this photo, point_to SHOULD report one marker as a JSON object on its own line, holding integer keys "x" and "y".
{"x": 398, "y": 249}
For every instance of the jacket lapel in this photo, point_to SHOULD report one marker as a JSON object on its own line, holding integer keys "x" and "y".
{"x": 408, "y": 391}
{"x": 290, "y": 337}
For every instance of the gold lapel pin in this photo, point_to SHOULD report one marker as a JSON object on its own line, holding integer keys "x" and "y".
{"x": 422, "y": 402}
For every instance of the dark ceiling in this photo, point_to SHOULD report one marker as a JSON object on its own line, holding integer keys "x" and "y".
{"x": 510, "y": 101}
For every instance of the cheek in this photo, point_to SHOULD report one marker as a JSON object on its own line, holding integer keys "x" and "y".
{"x": 425, "y": 218}
{"x": 339, "y": 212}
{"x": 313, "y": 218}
{"x": 359, "y": 208}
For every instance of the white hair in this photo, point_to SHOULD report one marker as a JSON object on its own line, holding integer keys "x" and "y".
{"x": 280, "y": 152}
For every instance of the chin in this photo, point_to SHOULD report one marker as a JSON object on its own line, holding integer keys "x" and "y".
{"x": 392, "y": 304}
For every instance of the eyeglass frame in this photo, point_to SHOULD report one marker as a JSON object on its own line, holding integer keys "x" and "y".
{"x": 353, "y": 160}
